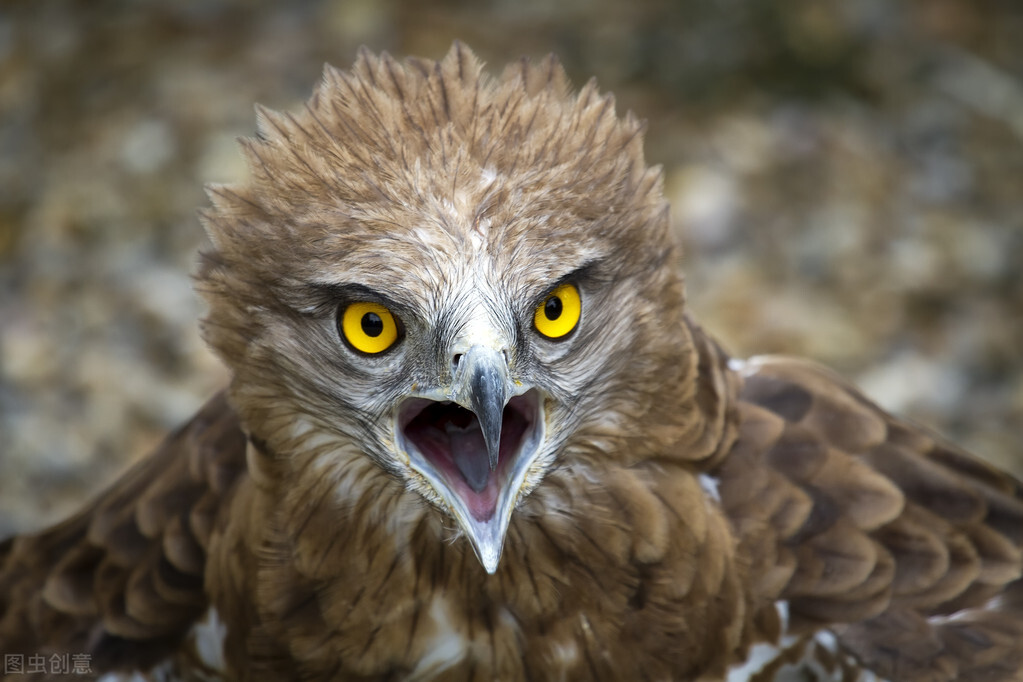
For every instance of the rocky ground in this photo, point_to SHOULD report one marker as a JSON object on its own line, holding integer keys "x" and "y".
{"x": 846, "y": 177}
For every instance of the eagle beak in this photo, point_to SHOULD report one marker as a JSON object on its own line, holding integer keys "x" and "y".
{"x": 474, "y": 442}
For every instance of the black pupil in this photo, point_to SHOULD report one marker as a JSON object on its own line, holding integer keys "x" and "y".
{"x": 372, "y": 325}
{"x": 552, "y": 308}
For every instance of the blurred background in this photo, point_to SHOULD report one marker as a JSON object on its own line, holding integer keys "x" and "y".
{"x": 847, "y": 178}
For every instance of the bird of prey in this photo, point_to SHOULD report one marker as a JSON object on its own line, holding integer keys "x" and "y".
{"x": 472, "y": 433}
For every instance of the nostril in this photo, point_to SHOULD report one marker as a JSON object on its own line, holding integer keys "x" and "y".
{"x": 455, "y": 361}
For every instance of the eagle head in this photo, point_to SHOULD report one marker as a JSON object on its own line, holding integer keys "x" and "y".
{"x": 436, "y": 285}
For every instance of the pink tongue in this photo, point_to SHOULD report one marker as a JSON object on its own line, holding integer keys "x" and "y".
{"x": 469, "y": 453}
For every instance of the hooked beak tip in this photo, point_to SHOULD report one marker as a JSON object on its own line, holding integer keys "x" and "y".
{"x": 493, "y": 447}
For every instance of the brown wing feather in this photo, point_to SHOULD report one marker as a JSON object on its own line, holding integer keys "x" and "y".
{"x": 907, "y": 547}
{"x": 123, "y": 579}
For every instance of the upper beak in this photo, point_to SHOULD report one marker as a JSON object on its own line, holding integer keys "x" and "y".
{"x": 481, "y": 385}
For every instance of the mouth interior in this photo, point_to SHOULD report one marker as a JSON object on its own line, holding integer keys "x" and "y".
{"x": 450, "y": 439}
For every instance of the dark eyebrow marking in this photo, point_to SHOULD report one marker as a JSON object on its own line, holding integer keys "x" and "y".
{"x": 332, "y": 295}
{"x": 584, "y": 273}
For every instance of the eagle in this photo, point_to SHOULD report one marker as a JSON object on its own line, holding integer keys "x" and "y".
{"x": 473, "y": 433}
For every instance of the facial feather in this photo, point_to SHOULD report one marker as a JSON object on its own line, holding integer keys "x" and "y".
{"x": 483, "y": 195}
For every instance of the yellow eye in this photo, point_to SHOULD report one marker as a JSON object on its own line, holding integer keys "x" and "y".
{"x": 558, "y": 314}
{"x": 369, "y": 327}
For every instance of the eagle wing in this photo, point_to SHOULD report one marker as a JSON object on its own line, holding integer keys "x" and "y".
{"x": 905, "y": 546}
{"x": 122, "y": 580}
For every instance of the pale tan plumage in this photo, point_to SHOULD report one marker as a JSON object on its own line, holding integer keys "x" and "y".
{"x": 332, "y": 548}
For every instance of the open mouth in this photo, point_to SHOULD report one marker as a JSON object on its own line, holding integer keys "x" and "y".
{"x": 445, "y": 441}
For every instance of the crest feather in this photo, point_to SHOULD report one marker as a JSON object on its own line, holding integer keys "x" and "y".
{"x": 385, "y": 115}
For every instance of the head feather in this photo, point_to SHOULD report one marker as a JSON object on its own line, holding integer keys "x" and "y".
{"x": 386, "y": 133}
{"x": 398, "y": 174}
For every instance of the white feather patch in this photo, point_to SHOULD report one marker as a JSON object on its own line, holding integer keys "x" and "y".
{"x": 209, "y": 635}
{"x": 162, "y": 672}
{"x": 807, "y": 669}
{"x": 447, "y": 646}
{"x": 763, "y": 653}
{"x": 566, "y": 654}
{"x": 710, "y": 486}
